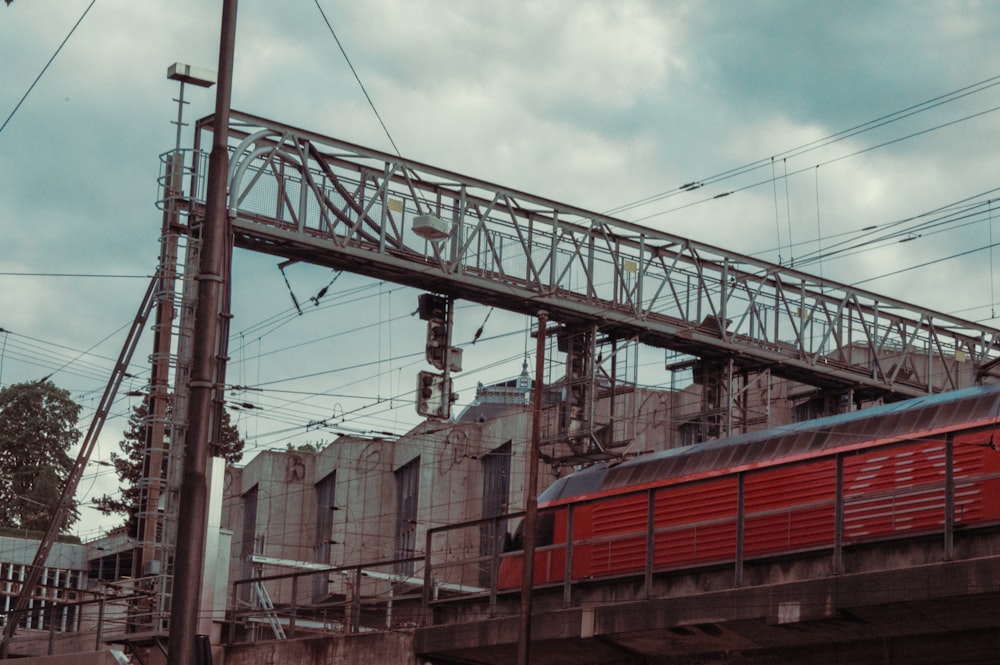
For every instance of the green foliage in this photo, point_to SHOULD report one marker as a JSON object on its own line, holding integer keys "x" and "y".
{"x": 303, "y": 448}
{"x": 129, "y": 463}
{"x": 37, "y": 430}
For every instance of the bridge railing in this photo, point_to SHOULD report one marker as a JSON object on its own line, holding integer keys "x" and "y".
{"x": 725, "y": 525}
{"x": 929, "y": 489}
{"x": 49, "y": 628}
{"x": 368, "y": 597}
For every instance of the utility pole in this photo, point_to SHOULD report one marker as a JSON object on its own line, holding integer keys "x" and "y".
{"x": 207, "y": 370}
{"x": 531, "y": 502}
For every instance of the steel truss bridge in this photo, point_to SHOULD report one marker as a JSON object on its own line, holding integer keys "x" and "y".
{"x": 300, "y": 195}
{"x": 303, "y": 196}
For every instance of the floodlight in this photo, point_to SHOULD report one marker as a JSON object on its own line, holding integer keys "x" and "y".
{"x": 430, "y": 227}
{"x": 193, "y": 75}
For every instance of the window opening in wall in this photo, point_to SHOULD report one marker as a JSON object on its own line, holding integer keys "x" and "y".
{"x": 323, "y": 548}
{"x": 496, "y": 493}
{"x": 407, "y": 491}
{"x": 48, "y": 608}
{"x": 249, "y": 544}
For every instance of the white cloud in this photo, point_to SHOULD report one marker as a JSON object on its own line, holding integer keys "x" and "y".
{"x": 595, "y": 104}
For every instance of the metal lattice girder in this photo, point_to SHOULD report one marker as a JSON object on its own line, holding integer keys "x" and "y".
{"x": 300, "y": 195}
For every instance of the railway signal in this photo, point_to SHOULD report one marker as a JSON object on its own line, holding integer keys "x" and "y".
{"x": 435, "y": 311}
{"x": 434, "y": 396}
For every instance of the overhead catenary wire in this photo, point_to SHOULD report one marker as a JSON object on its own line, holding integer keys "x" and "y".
{"x": 832, "y": 160}
{"x": 378, "y": 402}
{"x": 46, "y": 67}
{"x": 78, "y": 275}
{"x": 942, "y": 215}
{"x": 804, "y": 148}
{"x": 293, "y": 317}
{"x": 821, "y": 254}
{"x": 357, "y": 78}
{"x": 786, "y": 182}
{"x": 385, "y": 403}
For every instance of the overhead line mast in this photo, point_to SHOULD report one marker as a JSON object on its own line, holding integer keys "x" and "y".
{"x": 207, "y": 368}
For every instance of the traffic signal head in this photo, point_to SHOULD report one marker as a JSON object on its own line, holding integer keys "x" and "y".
{"x": 434, "y": 396}
{"x": 431, "y": 307}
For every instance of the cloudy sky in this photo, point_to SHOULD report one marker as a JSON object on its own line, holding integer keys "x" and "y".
{"x": 606, "y": 105}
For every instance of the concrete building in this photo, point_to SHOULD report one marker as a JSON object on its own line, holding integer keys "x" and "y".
{"x": 371, "y": 500}
{"x": 63, "y": 614}
{"x": 363, "y": 506}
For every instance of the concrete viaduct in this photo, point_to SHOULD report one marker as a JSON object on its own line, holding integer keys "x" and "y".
{"x": 898, "y": 602}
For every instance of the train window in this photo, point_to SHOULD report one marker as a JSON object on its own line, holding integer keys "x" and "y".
{"x": 584, "y": 482}
{"x": 544, "y": 529}
{"x": 515, "y": 542}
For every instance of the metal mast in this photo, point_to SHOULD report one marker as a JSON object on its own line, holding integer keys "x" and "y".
{"x": 208, "y": 369}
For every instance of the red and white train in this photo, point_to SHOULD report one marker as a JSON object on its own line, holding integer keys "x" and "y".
{"x": 881, "y": 473}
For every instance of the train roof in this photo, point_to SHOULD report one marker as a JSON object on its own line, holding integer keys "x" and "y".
{"x": 937, "y": 411}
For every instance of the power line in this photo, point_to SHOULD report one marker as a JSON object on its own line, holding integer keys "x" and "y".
{"x": 816, "y": 144}
{"x": 832, "y": 160}
{"x": 71, "y": 274}
{"x": 948, "y": 214}
{"x": 41, "y": 73}
{"x": 922, "y": 265}
{"x": 356, "y": 77}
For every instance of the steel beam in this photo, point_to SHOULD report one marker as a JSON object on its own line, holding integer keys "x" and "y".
{"x": 301, "y": 195}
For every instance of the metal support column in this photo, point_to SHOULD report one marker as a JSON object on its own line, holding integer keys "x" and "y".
{"x": 949, "y": 497}
{"x": 205, "y": 375}
{"x": 838, "y": 520}
{"x": 531, "y": 502}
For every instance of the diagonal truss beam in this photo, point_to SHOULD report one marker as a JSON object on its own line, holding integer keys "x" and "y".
{"x": 65, "y": 504}
{"x": 298, "y": 194}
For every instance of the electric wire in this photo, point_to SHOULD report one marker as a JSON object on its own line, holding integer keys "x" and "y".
{"x": 357, "y": 77}
{"x": 804, "y": 148}
{"x": 390, "y": 137}
{"x": 71, "y": 274}
{"x": 45, "y": 68}
{"x": 826, "y": 162}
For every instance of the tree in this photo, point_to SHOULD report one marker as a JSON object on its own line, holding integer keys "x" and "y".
{"x": 37, "y": 429}
{"x": 129, "y": 464}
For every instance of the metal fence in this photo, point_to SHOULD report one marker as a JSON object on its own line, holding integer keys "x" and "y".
{"x": 76, "y": 626}
{"x": 326, "y": 600}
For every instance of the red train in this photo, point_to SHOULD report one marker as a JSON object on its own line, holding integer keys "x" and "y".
{"x": 778, "y": 489}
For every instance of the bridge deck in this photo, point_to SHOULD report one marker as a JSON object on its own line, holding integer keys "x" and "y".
{"x": 901, "y": 605}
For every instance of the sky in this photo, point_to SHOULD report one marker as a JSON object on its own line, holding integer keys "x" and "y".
{"x": 606, "y": 105}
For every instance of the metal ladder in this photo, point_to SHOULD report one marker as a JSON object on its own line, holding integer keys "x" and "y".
{"x": 265, "y": 603}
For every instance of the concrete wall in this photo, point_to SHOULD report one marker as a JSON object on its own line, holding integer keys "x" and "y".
{"x": 364, "y": 497}
{"x": 67, "y": 556}
{"x": 105, "y": 657}
{"x": 451, "y": 487}
{"x": 390, "y": 648}
{"x": 286, "y": 513}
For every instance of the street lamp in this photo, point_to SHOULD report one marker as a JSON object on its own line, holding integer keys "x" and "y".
{"x": 182, "y": 73}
